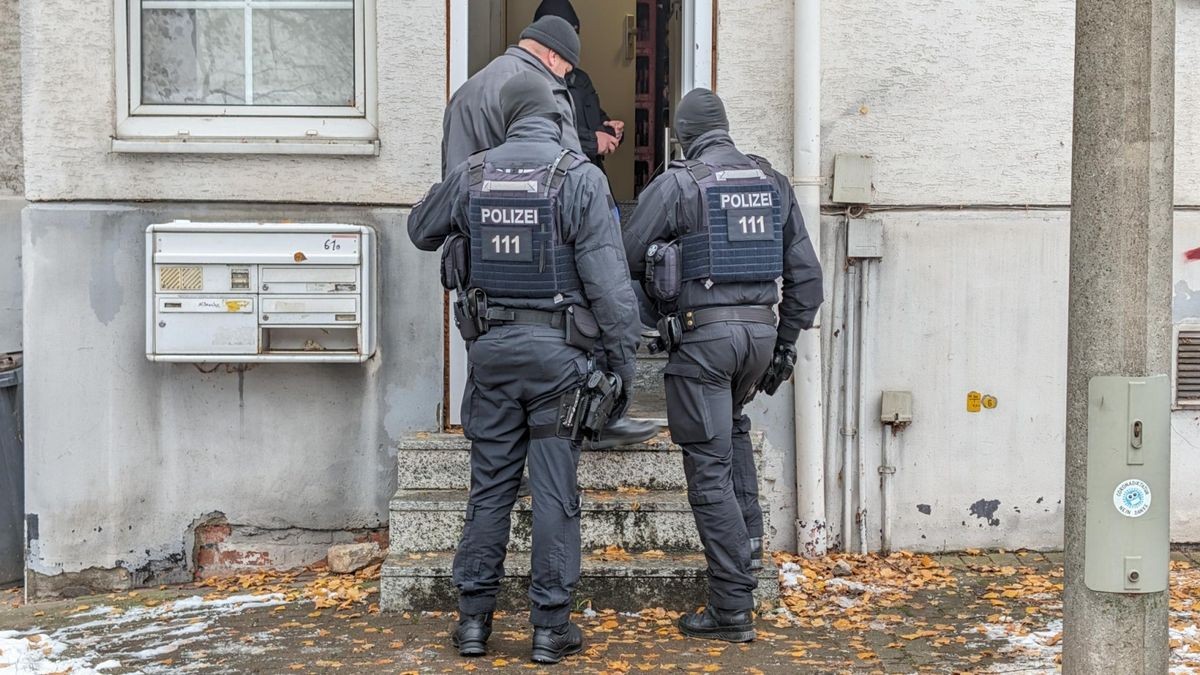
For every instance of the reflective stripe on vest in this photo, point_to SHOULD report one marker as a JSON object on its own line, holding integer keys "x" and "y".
{"x": 740, "y": 238}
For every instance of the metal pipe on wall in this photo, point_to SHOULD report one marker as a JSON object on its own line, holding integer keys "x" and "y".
{"x": 811, "y": 526}
{"x": 864, "y": 301}
{"x": 886, "y": 471}
{"x": 835, "y": 392}
{"x": 849, "y": 401}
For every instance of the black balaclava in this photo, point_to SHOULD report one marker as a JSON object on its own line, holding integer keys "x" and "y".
{"x": 699, "y": 112}
{"x": 559, "y": 8}
{"x": 527, "y": 94}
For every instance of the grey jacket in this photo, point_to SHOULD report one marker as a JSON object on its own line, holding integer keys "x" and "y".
{"x": 668, "y": 203}
{"x": 473, "y": 120}
{"x": 585, "y": 213}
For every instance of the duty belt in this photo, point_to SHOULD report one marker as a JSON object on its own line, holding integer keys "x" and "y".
{"x": 529, "y": 317}
{"x": 692, "y": 319}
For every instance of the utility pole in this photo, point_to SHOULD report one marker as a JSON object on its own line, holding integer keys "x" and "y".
{"x": 1120, "y": 293}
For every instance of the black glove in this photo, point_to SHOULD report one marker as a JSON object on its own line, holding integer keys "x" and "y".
{"x": 780, "y": 370}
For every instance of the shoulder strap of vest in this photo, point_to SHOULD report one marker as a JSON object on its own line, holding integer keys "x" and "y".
{"x": 763, "y": 164}
{"x": 566, "y": 161}
{"x": 475, "y": 169}
{"x": 698, "y": 170}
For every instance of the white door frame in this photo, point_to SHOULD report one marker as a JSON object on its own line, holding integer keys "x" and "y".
{"x": 697, "y": 71}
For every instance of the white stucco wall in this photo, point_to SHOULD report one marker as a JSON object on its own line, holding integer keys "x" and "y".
{"x": 65, "y": 41}
{"x": 12, "y": 180}
{"x": 960, "y": 102}
{"x": 124, "y": 455}
{"x": 948, "y": 315}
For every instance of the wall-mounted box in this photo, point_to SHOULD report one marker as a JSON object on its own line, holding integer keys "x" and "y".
{"x": 259, "y": 292}
{"x": 852, "y": 179}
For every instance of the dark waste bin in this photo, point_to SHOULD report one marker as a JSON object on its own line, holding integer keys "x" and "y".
{"x": 12, "y": 472}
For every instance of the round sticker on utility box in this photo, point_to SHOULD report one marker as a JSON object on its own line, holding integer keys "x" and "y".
{"x": 1132, "y": 498}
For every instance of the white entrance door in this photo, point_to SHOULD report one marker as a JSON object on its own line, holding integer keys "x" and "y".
{"x": 467, "y": 42}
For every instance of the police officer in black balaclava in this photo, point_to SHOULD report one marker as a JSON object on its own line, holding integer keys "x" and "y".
{"x": 714, "y": 234}
{"x": 546, "y": 252}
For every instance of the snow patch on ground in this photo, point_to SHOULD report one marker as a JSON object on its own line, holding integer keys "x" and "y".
{"x": 791, "y": 575}
{"x": 144, "y": 632}
{"x": 37, "y": 653}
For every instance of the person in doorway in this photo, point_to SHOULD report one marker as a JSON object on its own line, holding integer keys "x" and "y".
{"x": 599, "y": 135}
{"x": 713, "y": 235}
{"x": 525, "y": 360}
{"x": 549, "y": 48}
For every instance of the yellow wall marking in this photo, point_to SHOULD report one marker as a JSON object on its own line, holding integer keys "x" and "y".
{"x": 974, "y": 399}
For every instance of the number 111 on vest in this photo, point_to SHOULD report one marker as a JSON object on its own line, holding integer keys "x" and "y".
{"x": 508, "y": 244}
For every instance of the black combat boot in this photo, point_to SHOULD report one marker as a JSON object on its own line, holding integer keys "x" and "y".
{"x": 756, "y": 554}
{"x": 623, "y": 431}
{"x": 550, "y": 645}
{"x": 471, "y": 636}
{"x": 714, "y": 624}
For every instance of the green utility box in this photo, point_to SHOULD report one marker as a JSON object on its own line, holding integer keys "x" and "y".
{"x": 1129, "y": 478}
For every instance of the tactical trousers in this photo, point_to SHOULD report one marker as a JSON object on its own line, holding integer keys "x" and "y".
{"x": 517, "y": 375}
{"x": 708, "y": 380}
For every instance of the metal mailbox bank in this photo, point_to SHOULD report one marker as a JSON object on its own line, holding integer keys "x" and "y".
{"x": 259, "y": 292}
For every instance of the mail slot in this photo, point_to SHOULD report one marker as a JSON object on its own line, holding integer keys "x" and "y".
{"x": 248, "y": 292}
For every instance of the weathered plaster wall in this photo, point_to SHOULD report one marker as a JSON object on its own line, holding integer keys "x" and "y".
{"x": 72, "y": 42}
{"x": 12, "y": 178}
{"x": 959, "y": 101}
{"x": 124, "y": 455}
{"x": 10, "y": 274}
{"x": 947, "y": 315}
{"x": 966, "y": 102}
{"x": 754, "y": 76}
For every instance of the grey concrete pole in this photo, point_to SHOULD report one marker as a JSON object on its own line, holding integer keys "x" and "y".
{"x": 1120, "y": 294}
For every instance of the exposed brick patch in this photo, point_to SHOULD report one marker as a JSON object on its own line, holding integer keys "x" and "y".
{"x": 225, "y": 549}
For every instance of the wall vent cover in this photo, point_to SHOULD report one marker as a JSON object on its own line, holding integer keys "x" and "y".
{"x": 1187, "y": 367}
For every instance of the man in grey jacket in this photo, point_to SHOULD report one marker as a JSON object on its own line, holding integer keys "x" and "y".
{"x": 734, "y": 224}
{"x": 544, "y": 248}
{"x": 549, "y": 48}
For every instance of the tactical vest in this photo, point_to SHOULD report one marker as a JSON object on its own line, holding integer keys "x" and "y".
{"x": 740, "y": 234}
{"x": 517, "y": 249}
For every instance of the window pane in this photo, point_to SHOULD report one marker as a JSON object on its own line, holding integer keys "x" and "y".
{"x": 193, "y": 56}
{"x": 304, "y": 57}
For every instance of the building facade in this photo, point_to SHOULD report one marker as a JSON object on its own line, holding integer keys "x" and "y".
{"x": 132, "y": 467}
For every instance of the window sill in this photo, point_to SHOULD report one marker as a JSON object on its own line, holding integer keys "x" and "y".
{"x": 170, "y": 146}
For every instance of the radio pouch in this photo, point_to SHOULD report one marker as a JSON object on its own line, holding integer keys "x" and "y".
{"x": 456, "y": 262}
{"x": 582, "y": 329}
{"x": 663, "y": 271}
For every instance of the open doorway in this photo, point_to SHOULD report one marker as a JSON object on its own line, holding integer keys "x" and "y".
{"x": 633, "y": 50}
{"x": 627, "y": 52}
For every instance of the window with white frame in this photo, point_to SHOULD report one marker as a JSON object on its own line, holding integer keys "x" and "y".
{"x": 215, "y": 74}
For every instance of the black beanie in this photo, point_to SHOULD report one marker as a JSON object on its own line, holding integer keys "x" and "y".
{"x": 560, "y": 8}
{"x": 527, "y": 94}
{"x": 555, "y": 33}
{"x": 700, "y": 112}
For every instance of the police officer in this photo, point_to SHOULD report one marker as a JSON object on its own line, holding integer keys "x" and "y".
{"x": 548, "y": 48}
{"x": 545, "y": 259}
{"x": 713, "y": 234}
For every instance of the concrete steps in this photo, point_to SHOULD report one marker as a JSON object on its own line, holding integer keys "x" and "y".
{"x": 432, "y": 520}
{"x": 442, "y": 462}
{"x": 423, "y": 582}
{"x": 633, "y": 498}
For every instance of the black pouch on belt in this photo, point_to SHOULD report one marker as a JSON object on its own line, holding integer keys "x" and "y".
{"x": 663, "y": 271}
{"x": 582, "y": 329}
{"x": 456, "y": 262}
